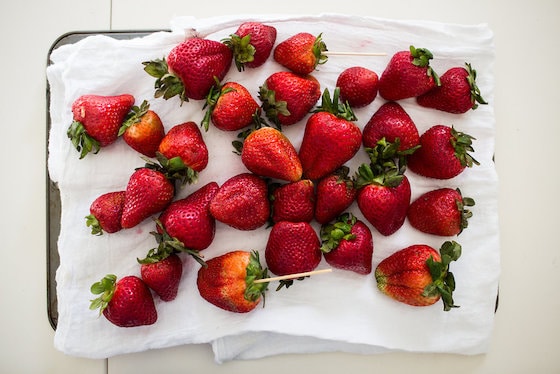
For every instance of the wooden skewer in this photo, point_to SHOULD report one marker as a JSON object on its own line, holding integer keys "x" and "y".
{"x": 292, "y": 276}
{"x": 342, "y": 53}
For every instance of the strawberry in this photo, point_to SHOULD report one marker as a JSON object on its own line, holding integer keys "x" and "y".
{"x": 443, "y": 153}
{"x": 287, "y": 97}
{"x": 458, "y": 92}
{"x": 330, "y": 138}
{"x": 189, "y": 219}
{"x": 127, "y": 302}
{"x": 251, "y": 44}
{"x": 105, "y": 213}
{"x": 358, "y": 86}
{"x": 190, "y": 69}
{"x": 242, "y": 202}
{"x": 185, "y": 141}
{"x": 228, "y": 281}
{"x": 348, "y": 244}
{"x": 162, "y": 271}
{"x": 292, "y": 247}
{"x": 230, "y": 107}
{"x": 267, "y": 152}
{"x": 419, "y": 276}
{"x": 391, "y": 121}
{"x": 293, "y": 201}
{"x": 384, "y": 191}
{"x": 143, "y": 130}
{"x": 301, "y": 53}
{"x": 334, "y": 194}
{"x": 97, "y": 120}
{"x": 440, "y": 212}
{"x": 408, "y": 74}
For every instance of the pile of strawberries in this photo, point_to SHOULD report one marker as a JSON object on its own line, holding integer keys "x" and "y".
{"x": 283, "y": 189}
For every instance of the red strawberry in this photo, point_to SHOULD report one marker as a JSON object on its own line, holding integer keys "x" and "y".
{"x": 348, "y": 244}
{"x": 292, "y": 247}
{"x": 242, "y": 202}
{"x": 251, "y": 44}
{"x": 358, "y": 86}
{"x": 293, "y": 201}
{"x": 391, "y": 121}
{"x": 408, "y": 74}
{"x": 189, "y": 219}
{"x": 334, "y": 194}
{"x": 384, "y": 191}
{"x": 418, "y": 275}
{"x": 185, "y": 141}
{"x": 440, "y": 212}
{"x": 190, "y": 69}
{"x": 269, "y": 153}
{"x": 143, "y": 130}
{"x": 228, "y": 281}
{"x": 126, "y": 303}
{"x": 301, "y": 53}
{"x": 105, "y": 213}
{"x": 458, "y": 92}
{"x": 287, "y": 97}
{"x": 230, "y": 107}
{"x": 97, "y": 120}
{"x": 443, "y": 153}
{"x": 162, "y": 273}
{"x": 330, "y": 138}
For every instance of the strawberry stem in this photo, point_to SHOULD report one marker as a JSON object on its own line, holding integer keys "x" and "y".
{"x": 462, "y": 143}
{"x": 443, "y": 281}
{"x": 135, "y": 115}
{"x": 167, "y": 84}
{"x": 334, "y": 106}
{"x": 242, "y": 49}
{"x": 421, "y": 57}
{"x": 476, "y": 96}
{"x": 81, "y": 140}
{"x": 465, "y": 213}
{"x": 332, "y": 234}
{"x": 106, "y": 289}
{"x": 255, "y": 271}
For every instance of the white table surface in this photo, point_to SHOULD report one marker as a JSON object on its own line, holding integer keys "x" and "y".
{"x": 527, "y": 328}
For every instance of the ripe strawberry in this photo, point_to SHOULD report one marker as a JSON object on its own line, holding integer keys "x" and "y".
{"x": 408, "y": 74}
{"x": 228, "y": 281}
{"x": 440, "y": 212}
{"x": 348, "y": 244}
{"x": 105, "y": 213}
{"x": 126, "y": 303}
{"x": 97, "y": 120}
{"x": 301, "y": 53}
{"x": 185, "y": 141}
{"x": 334, "y": 194}
{"x": 287, "y": 97}
{"x": 242, "y": 202}
{"x": 458, "y": 92}
{"x": 190, "y": 69}
{"x": 230, "y": 107}
{"x": 292, "y": 247}
{"x": 294, "y": 201}
{"x": 330, "y": 138}
{"x": 189, "y": 219}
{"x": 162, "y": 271}
{"x": 358, "y": 86}
{"x": 443, "y": 153}
{"x": 251, "y": 44}
{"x": 143, "y": 130}
{"x": 384, "y": 191}
{"x": 391, "y": 121}
{"x": 267, "y": 152}
{"x": 418, "y": 275}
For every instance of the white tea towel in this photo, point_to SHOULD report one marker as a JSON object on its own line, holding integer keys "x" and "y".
{"x": 338, "y": 311}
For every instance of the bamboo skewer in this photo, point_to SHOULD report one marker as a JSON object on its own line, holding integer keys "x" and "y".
{"x": 343, "y": 53}
{"x": 292, "y": 276}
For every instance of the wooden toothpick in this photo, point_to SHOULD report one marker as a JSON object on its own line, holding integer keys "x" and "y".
{"x": 292, "y": 276}
{"x": 342, "y": 53}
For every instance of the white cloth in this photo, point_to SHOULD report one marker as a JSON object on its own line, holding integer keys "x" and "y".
{"x": 338, "y": 311}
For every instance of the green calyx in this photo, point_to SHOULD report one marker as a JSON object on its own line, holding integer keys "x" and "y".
{"x": 334, "y": 106}
{"x": 216, "y": 91}
{"x": 476, "y": 96}
{"x": 421, "y": 57}
{"x": 167, "y": 84}
{"x": 443, "y": 283}
{"x": 135, "y": 115}
{"x": 333, "y": 234}
{"x": 466, "y": 214}
{"x": 174, "y": 169}
{"x": 319, "y": 47}
{"x": 242, "y": 49}
{"x": 272, "y": 107}
{"x": 258, "y": 122}
{"x": 105, "y": 288}
{"x": 462, "y": 143}
{"x": 93, "y": 222}
{"x": 255, "y": 271}
{"x": 81, "y": 140}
